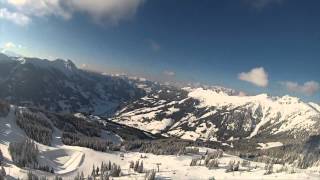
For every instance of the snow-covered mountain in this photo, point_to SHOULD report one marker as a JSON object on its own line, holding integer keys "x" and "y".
{"x": 60, "y": 86}
{"x": 68, "y": 161}
{"x": 217, "y": 115}
{"x": 198, "y": 112}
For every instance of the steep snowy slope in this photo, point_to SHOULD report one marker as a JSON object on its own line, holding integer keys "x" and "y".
{"x": 288, "y": 113}
{"x": 60, "y": 86}
{"x": 63, "y": 159}
{"x": 68, "y": 161}
{"x": 213, "y": 114}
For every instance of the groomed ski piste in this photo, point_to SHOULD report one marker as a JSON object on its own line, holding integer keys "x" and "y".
{"x": 67, "y": 161}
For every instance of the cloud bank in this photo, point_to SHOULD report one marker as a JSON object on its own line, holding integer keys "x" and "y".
{"x": 308, "y": 88}
{"x": 101, "y": 11}
{"x": 15, "y": 17}
{"x": 257, "y": 76}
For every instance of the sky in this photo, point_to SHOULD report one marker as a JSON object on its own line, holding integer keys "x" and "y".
{"x": 254, "y": 46}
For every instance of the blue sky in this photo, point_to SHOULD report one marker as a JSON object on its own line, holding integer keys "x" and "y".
{"x": 256, "y": 46}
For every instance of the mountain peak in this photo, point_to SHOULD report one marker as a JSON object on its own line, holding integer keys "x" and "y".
{"x": 65, "y": 66}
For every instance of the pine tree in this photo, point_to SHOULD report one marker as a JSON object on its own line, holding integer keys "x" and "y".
{"x": 107, "y": 177}
{"x": 236, "y": 166}
{"x": 115, "y": 170}
{"x": 109, "y": 166}
{"x": 230, "y": 166}
{"x": 3, "y": 172}
{"x": 82, "y": 176}
{"x": 150, "y": 175}
{"x": 140, "y": 169}
{"x": 101, "y": 175}
{"x": 57, "y": 178}
{"x": 97, "y": 171}
{"x": 269, "y": 168}
{"x": 194, "y": 162}
{"x": 136, "y": 166}
{"x": 131, "y": 166}
{"x": 93, "y": 174}
{"x": 102, "y": 169}
{"x": 1, "y": 157}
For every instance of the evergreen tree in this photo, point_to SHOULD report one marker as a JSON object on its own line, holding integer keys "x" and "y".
{"x": 97, "y": 171}
{"x": 36, "y": 127}
{"x": 136, "y": 166}
{"x": 150, "y": 175}
{"x": 3, "y": 172}
{"x": 230, "y": 166}
{"x": 1, "y": 157}
{"x": 194, "y": 162}
{"x": 101, "y": 175}
{"x": 131, "y": 166}
{"x": 269, "y": 168}
{"x": 102, "y": 170}
{"x": 109, "y": 166}
{"x": 25, "y": 154}
{"x": 82, "y": 176}
{"x": 236, "y": 166}
{"x": 58, "y": 178}
{"x": 93, "y": 174}
{"x": 140, "y": 170}
{"x": 115, "y": 170}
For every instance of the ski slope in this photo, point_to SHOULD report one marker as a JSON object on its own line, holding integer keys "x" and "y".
{"x": 67, "y": 161}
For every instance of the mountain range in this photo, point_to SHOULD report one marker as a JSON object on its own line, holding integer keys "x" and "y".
{"x": 206, "y": 113}
{"x": 61, "y": 87}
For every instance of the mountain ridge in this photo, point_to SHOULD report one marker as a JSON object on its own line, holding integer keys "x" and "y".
{"x": 60, "y": 86}
{"x": 201, "y": 113}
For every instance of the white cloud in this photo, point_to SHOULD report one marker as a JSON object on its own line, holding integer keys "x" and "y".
{"x": 169, "y": 73}
{"x": 40, "y": 7}
{"x": 9, "y": 45}
{"x": 15, "y": 17}
{"x": 257, "y": 76}
{"x": 308, "y": 88}
{"x": 106, "y": 10}
{"x": 110, "y": 11}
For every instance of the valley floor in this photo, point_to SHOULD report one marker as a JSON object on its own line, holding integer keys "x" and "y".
{"x": 67, "y": 161}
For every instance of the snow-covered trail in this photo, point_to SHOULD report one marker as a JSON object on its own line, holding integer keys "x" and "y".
{"x": 10, "y": 132}
{"x": 62, "y": 158}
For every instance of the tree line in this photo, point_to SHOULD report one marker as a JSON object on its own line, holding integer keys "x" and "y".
{"x": 25, "y": 153}
{"x": 35, "y": 126}
{"x": 98, "y": 144}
